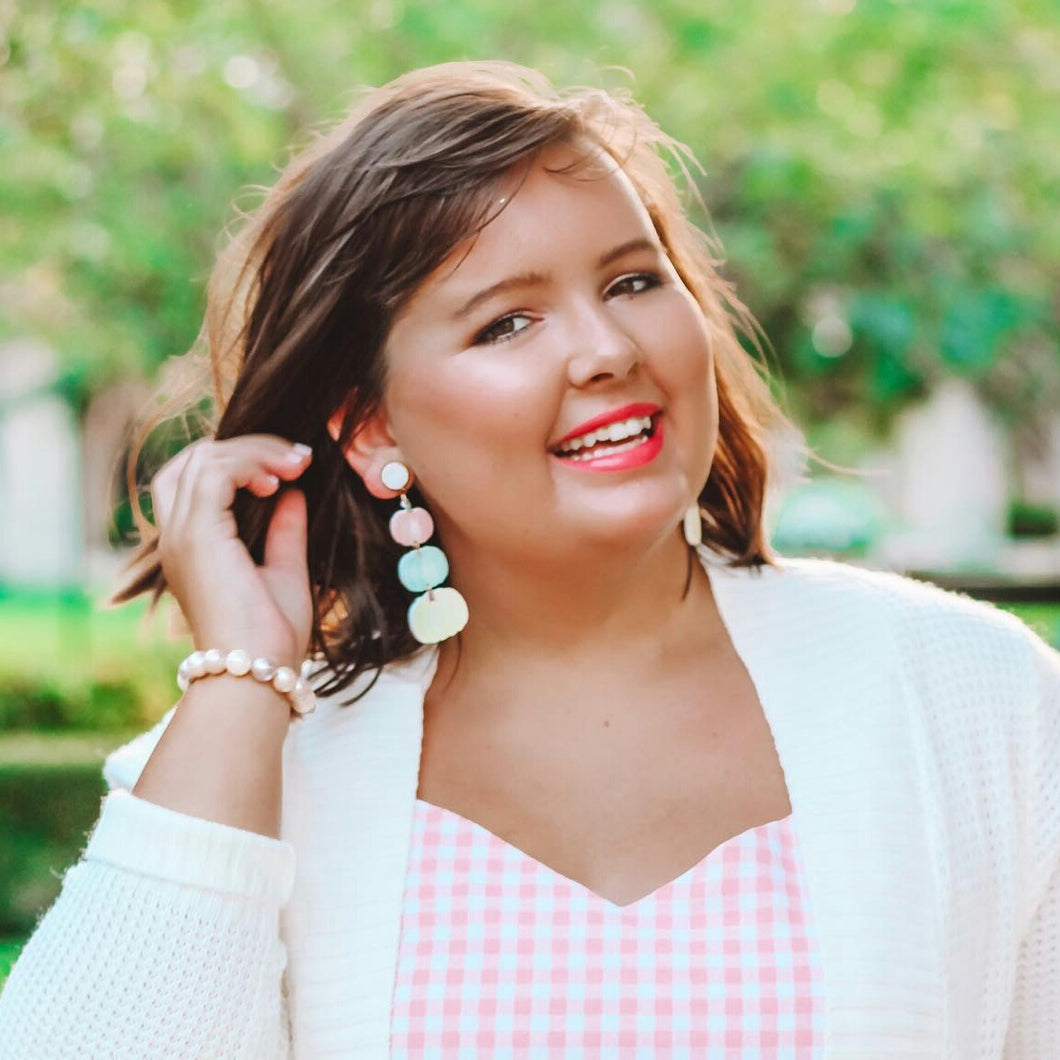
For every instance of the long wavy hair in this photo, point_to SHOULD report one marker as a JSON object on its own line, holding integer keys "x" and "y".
{"x": 301, "y": 301}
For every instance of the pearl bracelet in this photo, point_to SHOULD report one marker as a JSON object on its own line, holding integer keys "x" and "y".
{"x": 238, "y": 663}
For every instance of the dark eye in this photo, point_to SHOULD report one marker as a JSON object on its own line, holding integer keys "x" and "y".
{"x": 503, "y": 329}
{"x": 637, "y": 283}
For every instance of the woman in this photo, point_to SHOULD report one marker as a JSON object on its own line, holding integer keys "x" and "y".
{"x": 608, "y": 792}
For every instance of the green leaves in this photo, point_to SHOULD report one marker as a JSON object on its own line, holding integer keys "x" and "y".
{"x": 901, "y": 158}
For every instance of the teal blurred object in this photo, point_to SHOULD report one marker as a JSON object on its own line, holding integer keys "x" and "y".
{"x": 830, "y": 516}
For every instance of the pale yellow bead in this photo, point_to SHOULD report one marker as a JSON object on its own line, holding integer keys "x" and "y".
{"x": 437, "y": 615}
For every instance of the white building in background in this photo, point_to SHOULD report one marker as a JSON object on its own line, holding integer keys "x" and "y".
{"x": 41, "y": 529}
{"x": 949, "y": 497}
{"x": 56, "y": 472}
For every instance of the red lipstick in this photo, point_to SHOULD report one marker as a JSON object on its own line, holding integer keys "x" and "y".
{"x": 627, "y": 412}
{"x": 620, "y": 456}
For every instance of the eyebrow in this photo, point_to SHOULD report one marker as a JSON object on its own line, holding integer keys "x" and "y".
{"x": 539, "y": 279}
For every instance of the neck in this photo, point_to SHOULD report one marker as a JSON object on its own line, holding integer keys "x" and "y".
{"x": 614, "y": 605}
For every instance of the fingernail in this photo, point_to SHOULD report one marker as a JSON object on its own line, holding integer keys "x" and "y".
{"x": 299, "y": 452}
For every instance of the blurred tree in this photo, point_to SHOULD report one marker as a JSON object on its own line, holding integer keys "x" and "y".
{"x": 882, "y": 173}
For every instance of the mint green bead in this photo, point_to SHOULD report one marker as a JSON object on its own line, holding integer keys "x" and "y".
{"x": 423, "y": 569}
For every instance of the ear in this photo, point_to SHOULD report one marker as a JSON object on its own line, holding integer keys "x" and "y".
{"x": 370, "y": 449}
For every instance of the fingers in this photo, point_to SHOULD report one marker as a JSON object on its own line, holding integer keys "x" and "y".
{"x": 197, "y": 487}
{"x": 285, "y": 540}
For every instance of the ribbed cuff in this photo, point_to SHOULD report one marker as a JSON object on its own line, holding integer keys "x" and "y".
{"x": 149, "y": 839}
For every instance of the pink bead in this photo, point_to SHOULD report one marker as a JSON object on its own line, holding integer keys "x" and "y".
{"x": 411, "y": 526}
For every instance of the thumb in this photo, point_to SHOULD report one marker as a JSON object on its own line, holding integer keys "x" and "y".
{"x": 285, "y": 540}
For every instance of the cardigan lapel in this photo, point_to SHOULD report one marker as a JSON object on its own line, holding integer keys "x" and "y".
{"x": 823, "y": 662}
{"x": 351, "y": 780}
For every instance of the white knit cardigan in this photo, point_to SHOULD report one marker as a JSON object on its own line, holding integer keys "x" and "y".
{"x": 919, "y": 733}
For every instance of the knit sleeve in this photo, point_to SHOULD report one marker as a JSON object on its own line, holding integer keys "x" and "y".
{"x": 1034, "y": 1024}
{"x": 163, "y": 941}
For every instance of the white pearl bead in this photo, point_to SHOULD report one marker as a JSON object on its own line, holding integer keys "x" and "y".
{"x": 308, "y": 666}
{"x": 262, "y": 669}
{"x": 195, "y": 665}
{"x": 215, "y": 661}
{"x": 182, "y": 680}
{"x": 303, "y": 699}
{"x": 237, "y": 662}
{"x": 284, "y": 680}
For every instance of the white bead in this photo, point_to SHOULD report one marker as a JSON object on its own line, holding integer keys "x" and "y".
{"x": 395, "y": 476}
{"x": 237, "y": 662}
{"x": 182, "y": 680}
{"x": 195, "y": 665}
{"x": 262, "y": 669}
{"x": 302, "y": 697}
{"x": 215, "y": 661}
{"x": 692, "y": 526}
{"x": 308, "y": 666}
{"x": 284, "y": 680}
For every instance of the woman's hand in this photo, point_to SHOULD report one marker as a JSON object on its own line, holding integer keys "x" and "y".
{"x": 228, "y": 600}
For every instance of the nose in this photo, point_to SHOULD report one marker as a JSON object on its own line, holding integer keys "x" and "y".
{"x": 601, "y": 349}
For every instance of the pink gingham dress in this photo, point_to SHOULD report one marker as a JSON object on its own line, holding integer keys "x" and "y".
{"x": 502, "y": 957}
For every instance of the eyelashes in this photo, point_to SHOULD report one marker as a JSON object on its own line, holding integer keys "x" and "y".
{"x": 504, "y": 328}
{"x": 501, "y": 330}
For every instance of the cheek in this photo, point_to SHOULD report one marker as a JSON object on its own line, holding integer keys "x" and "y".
{"x": 472, "y": 410}
{"x": 684, "y": 348}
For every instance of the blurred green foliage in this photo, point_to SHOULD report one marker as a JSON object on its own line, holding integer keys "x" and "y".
{"x": 117, "y": 668}
{"x": 107, "y": 705}
{"x": 45, "y": 812}
{"x": 9, "y": 951}
{"x": 883, "y": 173}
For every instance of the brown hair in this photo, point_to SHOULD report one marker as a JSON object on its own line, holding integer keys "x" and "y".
{"x": 301, "y": 301}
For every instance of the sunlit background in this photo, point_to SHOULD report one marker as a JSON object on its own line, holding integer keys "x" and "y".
{"x": 882, "y": 175}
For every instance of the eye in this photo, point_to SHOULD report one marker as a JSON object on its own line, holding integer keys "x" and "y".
{"x": 636, "y": 283}
{"x": 503, "y": 329}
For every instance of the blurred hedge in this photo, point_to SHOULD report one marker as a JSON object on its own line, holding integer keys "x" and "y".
{"x": 46, "y": 812}
{"x": 67, "y": 664}
{"x": 96, "y": 706}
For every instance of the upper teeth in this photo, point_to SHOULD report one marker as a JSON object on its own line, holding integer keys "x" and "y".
{"x": 613, "y": 432}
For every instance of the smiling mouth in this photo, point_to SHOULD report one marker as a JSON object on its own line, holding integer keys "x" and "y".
{"x": 610, "y": 440}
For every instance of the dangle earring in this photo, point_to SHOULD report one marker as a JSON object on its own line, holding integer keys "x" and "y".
{"x": 439, "y": 612}
{"x": 692, "y": 525}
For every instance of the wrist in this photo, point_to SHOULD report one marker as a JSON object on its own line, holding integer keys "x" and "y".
{"x": 239, "y": 663}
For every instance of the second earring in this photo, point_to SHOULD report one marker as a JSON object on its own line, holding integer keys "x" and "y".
{"x": 438, "y": 612}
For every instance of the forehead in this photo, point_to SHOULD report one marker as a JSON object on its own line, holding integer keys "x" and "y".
{"x": 566, "y": 206}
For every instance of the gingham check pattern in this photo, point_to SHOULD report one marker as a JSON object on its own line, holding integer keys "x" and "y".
{"x": 502, "y": 957}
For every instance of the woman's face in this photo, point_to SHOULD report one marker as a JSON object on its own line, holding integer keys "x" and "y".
{"x": 551, "y": 385}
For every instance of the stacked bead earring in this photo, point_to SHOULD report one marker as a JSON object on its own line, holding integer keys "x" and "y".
{"x": 439, "y": 612}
